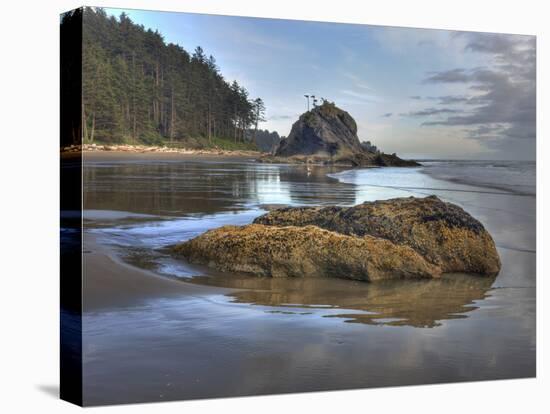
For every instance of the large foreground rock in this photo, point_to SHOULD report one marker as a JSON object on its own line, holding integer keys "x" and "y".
{"x": 443, "y": 233}
{"x": 307, "y": 251}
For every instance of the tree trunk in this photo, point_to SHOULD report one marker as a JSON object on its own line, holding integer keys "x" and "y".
{"x": 134, "y": 96}
{"x": 172, "y": 116}
{"x": 84, "y": 125}
{"x": 209, "y": 124}
{"x": 134, "y": 127}
{"x": 236, "y": 126}
{"x": 242, "y": 130}
{"x": 93, "y": 128}
{"x": 162, "y": 116}
{"x": 256, "y": 124}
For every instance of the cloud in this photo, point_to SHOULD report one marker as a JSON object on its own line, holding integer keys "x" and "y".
{"x": 459, "y": 99}
{"x": 486, "y": 132}
{"x": 504, "y": 99}
{"x": 367, "y": 97}
{"x": 387, "y": 115}
{"x": 281, "y": 117}
{"x": 431, "y": 111}
{"x": 452, "y": 99}
{"x": 358, "y": 82}
{"x": 449, "y": 76}
{"x": 495, "y": 43}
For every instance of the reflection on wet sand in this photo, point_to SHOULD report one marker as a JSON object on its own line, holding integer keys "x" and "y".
{"x": 422, "y": 303}
{"x": 316, "y": 186}
{"x": 169, "y": 188}
{"x": 143, "y": 343}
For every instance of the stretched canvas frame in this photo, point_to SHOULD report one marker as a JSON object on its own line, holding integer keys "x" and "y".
{"x": 305, "y": 170}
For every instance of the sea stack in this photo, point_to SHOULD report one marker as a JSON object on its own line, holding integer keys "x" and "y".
{"x": 328, "y": 134}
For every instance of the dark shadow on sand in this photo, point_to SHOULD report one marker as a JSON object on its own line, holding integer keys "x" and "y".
{"x": 49, "y": 389}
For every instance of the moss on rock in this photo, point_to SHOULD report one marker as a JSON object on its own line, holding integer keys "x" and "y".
{"x": 307, "y": 251}
{"x": 441, "y": 232}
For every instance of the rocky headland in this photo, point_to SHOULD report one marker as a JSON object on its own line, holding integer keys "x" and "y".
{"x": 393, "y": 239}
{"x": 325, "y": 135}
{"x": 328, "y": 135}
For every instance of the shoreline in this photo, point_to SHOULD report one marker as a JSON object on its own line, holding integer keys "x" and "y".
{"x": 106, "y": 156}
{"x": 111, "y": 283}
{"x": 114, "y": 282}
{"x": 152, "y": 337}
{"x": 508, "y": 189}
{"x": 87, "y": 149}
{"x": 164, "y": 152}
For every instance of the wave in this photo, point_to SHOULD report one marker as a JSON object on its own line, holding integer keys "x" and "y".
{"x": 516, "y": 177}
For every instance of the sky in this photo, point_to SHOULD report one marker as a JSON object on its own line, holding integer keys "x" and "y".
{"x": 421, "y": 93}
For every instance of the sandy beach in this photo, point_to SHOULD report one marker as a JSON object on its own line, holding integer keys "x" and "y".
{"x": 112, "y": 283}
{"x": 106, "y": 156}
{"x": 259, "y": 207}
{"x": 157, "y": 329}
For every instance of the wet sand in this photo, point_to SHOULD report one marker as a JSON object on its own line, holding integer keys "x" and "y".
{"x": 151, "y": 338}
{"x": 110, "y": 283}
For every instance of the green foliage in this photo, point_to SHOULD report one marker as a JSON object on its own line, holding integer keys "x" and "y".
{"x": 228, "y": 144}
{"x": 329, "y": 108}
{"x": 308, "y": 117}
{"x": 138, "y": 89}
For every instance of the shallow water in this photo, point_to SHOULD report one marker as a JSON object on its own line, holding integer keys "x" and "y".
{"x": 273, "y": 335}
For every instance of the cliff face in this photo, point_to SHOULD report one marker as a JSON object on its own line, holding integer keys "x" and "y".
{"x": 325, "y": 130}
{"x": 329, "y": 134}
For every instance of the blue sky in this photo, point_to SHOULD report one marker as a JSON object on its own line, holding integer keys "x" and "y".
{"x": 421, "y": 93}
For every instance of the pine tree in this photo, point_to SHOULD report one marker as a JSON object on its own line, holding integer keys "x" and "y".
{"x": 259, "y": 114}
{"x": 139, "y": 89}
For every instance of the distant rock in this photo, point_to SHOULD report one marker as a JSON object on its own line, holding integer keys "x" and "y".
{"x": 369, "y": 147}
{"x": 328, "y": 134}
{"x": 392, "y": 239}
{"x": 443, "y": 233}
{"x": 265, "y": 140}
{"x": 392, "y": 160}
{"x": 304, "y": 252}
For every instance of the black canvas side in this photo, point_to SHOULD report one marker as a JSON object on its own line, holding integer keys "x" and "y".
{"x": 71, "y": 207}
